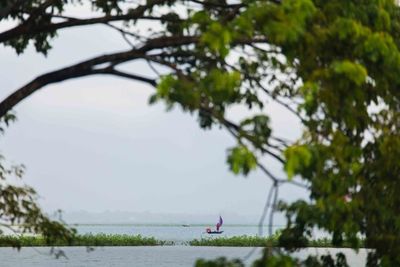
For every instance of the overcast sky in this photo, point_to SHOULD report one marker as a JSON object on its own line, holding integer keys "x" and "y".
{"x": 95, "y": 144}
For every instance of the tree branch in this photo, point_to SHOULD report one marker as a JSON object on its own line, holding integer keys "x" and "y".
{"x": 273, "y": 209}
{"x": 88, "y": 68}
{"x": 32, "y": 29}
{"x": 11, "y": 4}
{"x": 216, "y": 4}
{"x": 115, "y": 72}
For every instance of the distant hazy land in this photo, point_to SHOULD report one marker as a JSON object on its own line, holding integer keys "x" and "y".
{"x": 123, "y": 217}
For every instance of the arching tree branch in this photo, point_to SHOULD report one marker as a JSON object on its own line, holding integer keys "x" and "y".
{"x": 31, "y": 28}
{"x": 88, "y": 67}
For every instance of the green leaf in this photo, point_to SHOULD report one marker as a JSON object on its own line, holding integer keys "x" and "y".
{"x": 352, "y": 71}
{"x": 241, "y": 160}
{"x": 297, "y": 157}
{"x": 217, "y": 38}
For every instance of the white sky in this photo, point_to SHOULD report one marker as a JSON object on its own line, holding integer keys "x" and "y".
{"x": 95, "y": 144}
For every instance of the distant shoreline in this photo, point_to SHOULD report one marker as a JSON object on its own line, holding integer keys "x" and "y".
{"x": 165, "y": 225}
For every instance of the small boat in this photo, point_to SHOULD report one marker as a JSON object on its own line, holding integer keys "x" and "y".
{"x": 185, "y": 225}
{"x": 215, "y": 232}
{"x": 218, "y": 225}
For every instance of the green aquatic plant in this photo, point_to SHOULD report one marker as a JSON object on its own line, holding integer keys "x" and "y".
{"x": 255, "y": 241}
{"x": 236, "y": 241}
{"x": 91, "y": 240}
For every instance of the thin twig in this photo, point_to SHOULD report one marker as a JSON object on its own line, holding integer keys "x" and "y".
{"x": 273, "y": 208}
{"x": 262, "y": 219}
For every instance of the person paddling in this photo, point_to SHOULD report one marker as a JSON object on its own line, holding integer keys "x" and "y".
{"x": 218, "y": 226}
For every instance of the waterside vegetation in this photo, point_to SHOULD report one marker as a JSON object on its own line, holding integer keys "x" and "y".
{"x": 82, "y": 240}
{"x": 256, "y": 241}
{"x": 137, "y": 240}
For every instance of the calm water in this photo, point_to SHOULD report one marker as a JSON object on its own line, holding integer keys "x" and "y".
{"x": 176, "y": 233}
{"x": 172, "y": 256}
{"x": 166, "y": 256}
